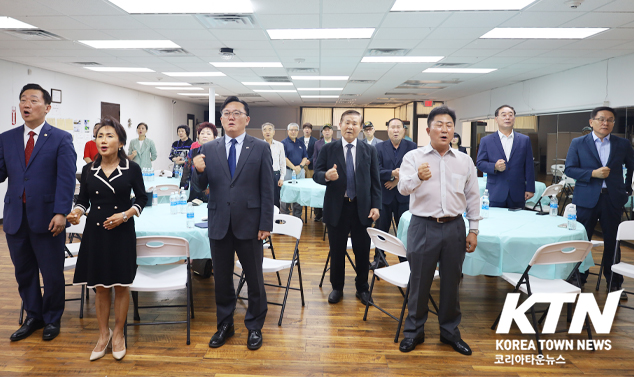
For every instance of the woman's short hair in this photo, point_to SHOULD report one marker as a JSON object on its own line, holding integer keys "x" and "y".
{"x": 186, "y": 128}
{"x": 121, "y": 135}
{"x": 141, "y": 124}
{"x": 457, "y": 135}
{"x": 211, "y": 126}
{"x": 268, "y": 124}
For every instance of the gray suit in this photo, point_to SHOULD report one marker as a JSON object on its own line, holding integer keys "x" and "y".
{"x": 239, "y": 207}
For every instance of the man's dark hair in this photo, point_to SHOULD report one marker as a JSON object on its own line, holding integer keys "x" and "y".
{"x": 352, "y": 112}
{"x": 440, "y": 110}
{"x": 141, "y": 124}
{"x": 307, "y": 125}
{"x": 399, "y": 119}
{"x": 596, "y": 110}
{"x": 121, "y": 135}
{"x": 235, "y": 99}
{"x": 211, "y": 126}
{"x": 186, "y": 128}
{"x": 45, "y": 94}
{"x": 503, "y": 106}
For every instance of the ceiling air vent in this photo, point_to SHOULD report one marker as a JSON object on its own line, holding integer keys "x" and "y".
{"x": 343, "y": 100}
{"x": 302, "y": 70}
{"x": 419, "y": 87}
{"x": 349, "y": 95}
{"x": 387, "y": 52}
{"x": 448, "y": 65}
{"x": 275, "y": 78}
{"x": 405, "y": 94}
{"x": 33, "y": 34}
{"x": 361, "y": 81}
{"x": 86, "y": 64}
{"x": 202, "y": 83}
{"x": 248, "y": 95}
{"x": 412, "y": 83}
{"x": 227, "y": 21}
{"x": 167, "y": 52}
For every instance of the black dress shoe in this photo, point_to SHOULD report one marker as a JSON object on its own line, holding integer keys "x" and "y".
{"x": 364, "y": 297}
{"x": 254, "y": 341}
{"x": 459, "y": 345}
{"x": 409, "y": 344}
{"x": 29, "y": 326}
{"x": 335, "y": 296}
{"x": 51, "y": 331}
{"x": 225, "y": 331}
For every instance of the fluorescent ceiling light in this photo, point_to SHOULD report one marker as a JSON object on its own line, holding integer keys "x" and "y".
{"x": 275, "y": 91}
{"x": 269, "y": 83}
{"x": 458, "y": 5}
{"x": 161, "y": 83}
{"x": 325, "y": 78}
{"x": 194, "y": 74}
{"x": 401, "y": 59}
{"x": 195, "y": 94}
{"x": 12, "y": 23}
{"x": 178, "y": 88}
{"x": 543, "y": 33}
{"x": 331, "y": 89}
{"x": 320, "y": 96}
{"x": 247, "y": 64}
{"x": 184, "y": 6}
{"x": 115, "y": 43}
{"x": 119, "y": 69}
{"x": 347, "y": 33}
{"x": 459, "y": 70}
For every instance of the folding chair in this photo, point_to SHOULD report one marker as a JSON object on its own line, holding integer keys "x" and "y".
{"x": 397, "y": 274}
{"x": 554, "y": 253}
{"x": 285, "y": 225}
{"x": 327, "y": 265}
{"x": 625, "y": 232}
{"x": 162, "y": 277}
{"x": 75, "y": 231}
{"x": 552, "y": 190}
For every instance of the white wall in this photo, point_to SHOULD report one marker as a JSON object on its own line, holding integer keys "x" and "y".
{"x": 81, "y": 99}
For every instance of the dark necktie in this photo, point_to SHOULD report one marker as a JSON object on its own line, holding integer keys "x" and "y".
{"x": 351, "y": 187}
{"x": 232, "y": 157}
{"x": 27, "y": 156}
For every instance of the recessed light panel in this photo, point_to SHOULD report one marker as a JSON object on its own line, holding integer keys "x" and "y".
{"x": 12, "y": 23}
{"x": 194, "y": 74}
{"x": 183, "y": 6}
{"x": 343, "y": 33}
{"x": 194, "y": 94}
{"x": 260, "y": 83}
{"x": 542, "y": 33}
{"x": 458, "y": 5}
{"x": 119, "y": 69}
{"x": 124, "y": 44}
{"x": 274, "y": 91}
{"x": 401, "y": 59}
{"x": 247, "y": 64}
{"x": 178, "y": 88}
{"x": 459, "y": 70}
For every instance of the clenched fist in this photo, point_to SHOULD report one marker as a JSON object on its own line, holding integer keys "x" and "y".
{"x": 500, "y": 165}
{"x": 423, "y": 172}
{"x": 332, "y": 174}
{"x": 199, "y": 163}
{"x": 601, "y": 173}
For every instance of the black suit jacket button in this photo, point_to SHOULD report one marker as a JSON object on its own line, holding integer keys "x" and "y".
{"x": 231, "y": 186}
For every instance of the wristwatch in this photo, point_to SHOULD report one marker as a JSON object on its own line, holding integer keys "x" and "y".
{"x": 474, "y": 231}
{"x": 301, "y": 166}
{"x": 125, "y": 217}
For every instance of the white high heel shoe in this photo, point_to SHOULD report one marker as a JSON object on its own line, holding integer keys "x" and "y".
{"x": 98, "y": 355}
{"x": 118, "y": 355}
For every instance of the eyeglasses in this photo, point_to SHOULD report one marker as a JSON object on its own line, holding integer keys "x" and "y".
{"x": 601, "y": 120}
{"x": 236, "y": 114}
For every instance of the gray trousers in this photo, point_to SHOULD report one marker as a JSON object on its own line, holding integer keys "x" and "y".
{"x": 296, "y": 208}
{"x": 429, "y": 243}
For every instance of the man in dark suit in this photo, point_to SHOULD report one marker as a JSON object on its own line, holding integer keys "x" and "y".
{"x": 390, "y": 154}
{"x": 239, "y": 171}
{"x": 40, "y": 162}
{"x": 309, "y": 142}
{"x": 326, "y": 132}
{"x": 600, "y": 193}
{"x": 350, "y": 170}
{"x": 507, "y": 158}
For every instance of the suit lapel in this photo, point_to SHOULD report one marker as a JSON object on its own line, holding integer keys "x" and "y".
{"x": 593, "y": 148}
{"x": 19, "y": 143}
{"x": 498, "y": 143}
{"x": 41, "y": 140}
{"x": 221, "y": 152}
{"x": 142, "y": 146}
{"x": 613, "y": 142}
{"x": 339, "y": 157}
{"x": 516, "y": 144}
{"x": 247, "y": 147}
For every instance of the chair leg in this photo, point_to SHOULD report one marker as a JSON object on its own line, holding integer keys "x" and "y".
{"x": 600, "y": 270}
{"x": 240, "y": 284}
{"x": 125, "y": 332}
{"x": 301, "y": 286}
{"x": 400, "y": 321}
{"x": 367, "y": 304}
{"x": 325, "y": 269}
{"x": 135, "y": 300}
{"x": 191, "y": 298}
{"x": 189, "y": 310}
{"x": 539, "y": 348}
{"x": 433, "y": 303}
{"x": 279, "y": 281}
{"x": 81, "y": 302}
{"x": 589, "y": 332}
{"x": 325, "y": 231}
{"x": 288, "y": 285}
{"x": 21, "y": 320}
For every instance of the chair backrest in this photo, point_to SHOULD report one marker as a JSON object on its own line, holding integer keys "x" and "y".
{"x": 161, "y": 247}
{"x": 79, "y": 228}
{"x": 287, "y": 225}
{"x": 552, "y": 190}
{"x": 276, "y": 210}
{"x": 77, "y": 186}
{"x": 557, "y": 169}
{"x": 165, "y": 190}
{"x": 387, "y": 242}
{"x": 558, "y": 253}
{"x": 565, "y": 214}
{"x": 163, "y": 173}
{"x": 626, "y": 231}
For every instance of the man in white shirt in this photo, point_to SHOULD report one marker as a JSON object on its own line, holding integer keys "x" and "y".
{"x": 279, "y": 159}
{"x": 442, "y": 184}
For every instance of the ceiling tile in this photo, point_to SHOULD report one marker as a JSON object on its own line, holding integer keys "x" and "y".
{"x": 601, "y": 19}
{"x": 478, "y": 19}
{"x": 401, "y": 33}
{"x": 415, "y": 19}
{"x": 288, "y": 21}
{"x": 540, "y": 19}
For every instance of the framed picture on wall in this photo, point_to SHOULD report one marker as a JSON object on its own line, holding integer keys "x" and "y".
{"x": 56, "y": 96}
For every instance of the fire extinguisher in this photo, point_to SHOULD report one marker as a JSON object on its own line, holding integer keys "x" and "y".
{"x": 13, "y": 115}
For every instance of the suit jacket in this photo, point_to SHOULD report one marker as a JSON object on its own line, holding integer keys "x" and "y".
{"x": 368, "y": 184}
{"x": 246, "y": 201}
{"x": 389, "y": 162}
{"x": 145, "y": 153}
{"x": 48, "y": 180}
{"x": 309, "y": 152}
{"x": 583, "y": 158}
{"x": 318, "y": 145}
{"x": 519, "y": 175}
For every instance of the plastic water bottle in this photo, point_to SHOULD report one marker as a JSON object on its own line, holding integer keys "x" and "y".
{"x": 484, "y": 175}
{"x": 151, "y": 174}
{"x": 182, "y": 202}
{"x": 572, "y": 217}
{"x": 154, "y": 197}
{"x": 484, "y": 212}
{"x": 190, "y": 215}
{"x": 553, "y": 206}
{"x": 293, "y": 177}
{"x": 173, "y": 204}
{"x": 144, "y": 172}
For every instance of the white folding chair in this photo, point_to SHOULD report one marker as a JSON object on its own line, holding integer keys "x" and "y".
{"x": 75, "y": 231}
{"x": 552, "y": 190}
{"x": 327, "y": 265}
{"x": 554, "y": 253}
{"x": 625, "y": 232}
{"x": 397, "y": 274}
{"x": 165, "y": 190}
{"x": 284, "y": 225}
{"x": 557, "y": 170}
{"x": 162, "y": 277}
{"x": 163, "y": 173}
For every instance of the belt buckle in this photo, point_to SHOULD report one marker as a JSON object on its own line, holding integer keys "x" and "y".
{"x": 438, "y": 220}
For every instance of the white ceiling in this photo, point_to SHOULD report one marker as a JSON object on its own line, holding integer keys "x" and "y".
{"x": 454, "y": 35}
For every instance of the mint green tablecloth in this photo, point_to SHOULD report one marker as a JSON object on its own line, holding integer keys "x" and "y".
{"x": 540, "y": 187}
{"x": 305, "y": 192}
{"x": 157, "y": 221}
{"x": 508, "y": 240}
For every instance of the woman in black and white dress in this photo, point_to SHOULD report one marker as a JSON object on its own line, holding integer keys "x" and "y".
{"x": 107, "y": 255}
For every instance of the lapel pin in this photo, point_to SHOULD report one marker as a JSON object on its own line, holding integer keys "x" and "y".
{"x": 45, "y": 134}
{"x": 247, "y": 147}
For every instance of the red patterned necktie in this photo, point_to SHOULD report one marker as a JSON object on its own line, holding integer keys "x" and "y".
{"x": 27, "y": 156}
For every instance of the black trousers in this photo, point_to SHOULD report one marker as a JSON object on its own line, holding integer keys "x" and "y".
{"x": 250, "y": 256}
{"x": 349, "y": 223}
{"x": 395, "y": 209}
{"x": 508, "y": 203}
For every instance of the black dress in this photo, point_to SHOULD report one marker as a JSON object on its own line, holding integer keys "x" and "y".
{"x": 108, "y": 257}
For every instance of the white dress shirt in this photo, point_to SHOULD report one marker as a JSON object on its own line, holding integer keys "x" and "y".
{"x": 507, "y": 144}
{"x": 240, "y": 140}
{"x": 279, "y": 158}
{"x": 37, "y": 131}
{"x": 603, "y": 148}
{"x": 353, "y": 151}
{"x": 452, "y": 188}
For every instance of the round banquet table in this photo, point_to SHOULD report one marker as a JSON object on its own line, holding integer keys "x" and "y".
{"x": 508, "y": 240}
{"x": 540, "y": 187}
{"x": 163, "y": 181}
{"x": 306, "y": 192}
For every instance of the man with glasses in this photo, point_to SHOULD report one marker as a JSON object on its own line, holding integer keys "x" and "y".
{"x": 442, "y": 184}
{"x": 600, "y": 193}
{"x": 239, "y": 171}
{"x": 296, "y": 159}
{"x": 507, "y": 158}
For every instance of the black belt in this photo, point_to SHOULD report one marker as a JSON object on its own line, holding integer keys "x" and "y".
{"x": 604, "y": 190}
{"x": 275, "y": 171}
{"x": 346, "y": 199}
{"x": 442, "y": 220}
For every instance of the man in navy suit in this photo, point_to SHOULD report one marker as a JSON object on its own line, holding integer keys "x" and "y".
{"x": 40, "y": 163}
{"x": 390, "y": 154}
{"x": 239, "y": 171}
{"x": 507, "y": 158}
{"x": 600, "y": 193}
